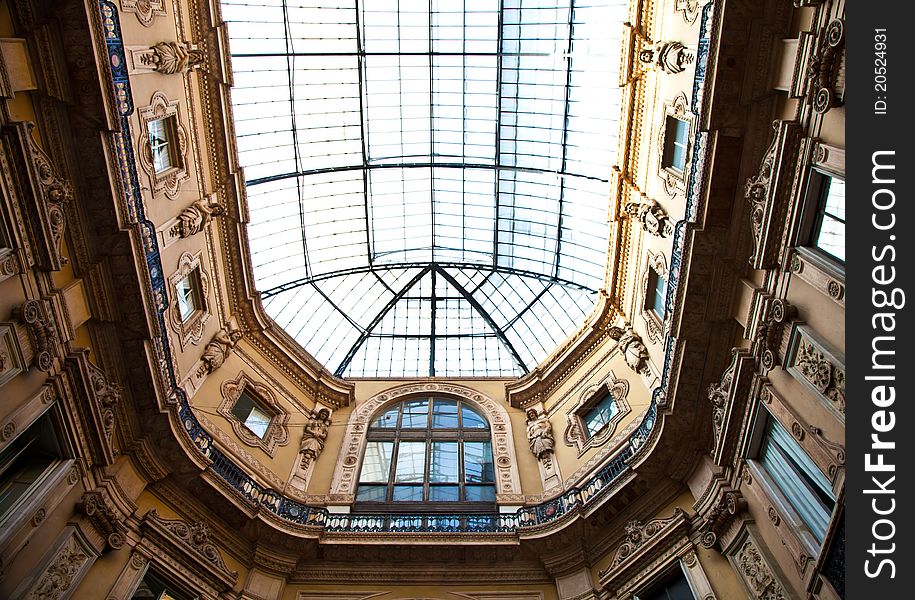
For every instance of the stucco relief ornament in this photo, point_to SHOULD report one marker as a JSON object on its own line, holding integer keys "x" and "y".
{"x": 197, "y": 216}
{"x": 219, "y": 349}
{"x": 170, "y": 58}
{"x": 670, "y": 57}
{"x": 653, "y": 218}
{"x": 539, "y": 434}
{"x": 632, "y": 349}
{"x": 314, "y": 436}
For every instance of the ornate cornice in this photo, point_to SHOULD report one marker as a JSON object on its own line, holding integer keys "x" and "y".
{"x": 191, "y": 542}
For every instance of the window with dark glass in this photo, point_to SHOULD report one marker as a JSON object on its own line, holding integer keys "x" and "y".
{"x": 154, "y": 587}
{"x": 162, "y": 140}
{"x": 655, "y": 296}
{"x": 675, "y": 144}
{"x": 252, "y": 413}
{"x": 25, "y": 461}
{"x": 674, "y": 587}
{"x": 433, "y": 452}
{"x": 797, "y": 477}
{"x": 187, "y": 292}
{"x": 827, "y": 221}
{"x": 598, "y": 415}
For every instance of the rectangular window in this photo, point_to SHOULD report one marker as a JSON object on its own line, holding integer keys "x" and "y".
{"x": 25, "y": 461}
{"x": 827, "y": 232}
{"x": 187, "y": 292}
{"x": 675, "y": 144}
{"x": 797, "y": 477}
{"x": 252, "y": 414}
{"x": 153, "y": 587}
{"x": 598, "y": 416}
{"x": 655, "y": 296}
{"x": 162, "y": 141}
{"x": 674, "y": 587}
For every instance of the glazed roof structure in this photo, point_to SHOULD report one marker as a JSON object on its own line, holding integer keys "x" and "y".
{"x": 427, "y": 181}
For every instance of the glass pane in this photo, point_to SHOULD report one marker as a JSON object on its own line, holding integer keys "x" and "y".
{"x": 444, "y": 414}
{"x": 445, "y": 493}
{"x": 376, "y": 466}
{"x": 387, "y": 419}
{"x": 831, "y": 237}
{"x": 602, "y": 413}
{"x": 408, "y": 493}
{"x": 480, "y": 493}
{"x": 186, "y": 292}
{"x": 478, "y": 467}
{"x": 411, "y": 462}
{"x": 471, "y": 419}
{"x": 258, "y": 421}
{"x": 371, "y": 493}
{"x": 415, "y": 414}
{"x": 243, "y": 407}
{"x": 444, "y": 467}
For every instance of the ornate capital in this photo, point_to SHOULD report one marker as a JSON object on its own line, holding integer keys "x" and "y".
{"x": 104, "y": 518}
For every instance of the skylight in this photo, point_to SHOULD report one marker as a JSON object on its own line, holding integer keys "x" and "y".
{"x": 427, "y": 181}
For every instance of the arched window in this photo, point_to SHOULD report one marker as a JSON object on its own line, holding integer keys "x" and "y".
{"x": 427, "y": 454}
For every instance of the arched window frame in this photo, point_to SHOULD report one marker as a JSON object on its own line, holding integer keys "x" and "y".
{"x": 346, "y": 472}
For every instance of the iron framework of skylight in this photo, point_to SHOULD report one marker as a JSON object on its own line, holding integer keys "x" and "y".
{"x": 427, "y": 180}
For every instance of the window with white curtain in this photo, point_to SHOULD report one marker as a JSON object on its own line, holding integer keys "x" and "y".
{"x": 797, "y": 477}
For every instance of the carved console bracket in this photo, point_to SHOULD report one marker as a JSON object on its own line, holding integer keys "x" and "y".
{"x": 632, "y": 349}
{"x": 769, "y": 193}
{"x": 768, "y": 327}
{"x": 36, "y": 316}
{"x": 105, "y": 519}
{"x": 719, "y": 514}
{"x": 824, "y": 88}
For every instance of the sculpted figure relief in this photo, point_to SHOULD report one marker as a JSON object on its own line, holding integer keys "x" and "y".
{"x": 196, "y": 216}
{"x": 219, "y": 349}
{"x": 173, "y": 57}
{"x": 539, "y": 433}
{"x": 633, "y": 350}
{"x": 314, "y": 436}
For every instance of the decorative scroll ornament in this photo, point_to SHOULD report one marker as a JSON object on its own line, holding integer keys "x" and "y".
{"x": 104, "y": 518}
{"x": 170, "y": 58}
{"x": 821, "y": 373}
{"x": 823, "y": 69}
{"x": 767, "y": 336}
{"x": 632, "y": 349}
{"x": 219, "y": 349}
{"x": 728, "y": 505}
{"x": 314, "y": 436}
{"x": 107, "y": 394}
{"x": 196, "y": 217}
{"x": 652, "y": 217}
{"x": 539, "y": 434}
{"x": 757, "y": 573}
{"x": 34, "y": 314}
{"x": 670, "y": 57}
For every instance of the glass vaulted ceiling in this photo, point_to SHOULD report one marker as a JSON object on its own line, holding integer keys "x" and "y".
{"x": 427, "y": 180}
